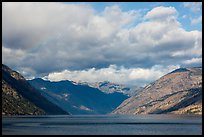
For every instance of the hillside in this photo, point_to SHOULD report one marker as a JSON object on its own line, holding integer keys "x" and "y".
{"x": 20, "y": 98}
{"x": 14, "y": 104}
{"x": 178, "y": 92}
{"x": 78, "y": 98}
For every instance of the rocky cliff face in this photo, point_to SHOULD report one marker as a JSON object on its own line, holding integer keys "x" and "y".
{"x": 20, "y": 98}
{"x": 14, "y": 104}
{"x": 177, "y": 92}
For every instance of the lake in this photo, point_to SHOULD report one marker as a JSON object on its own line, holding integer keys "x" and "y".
{"x": 102, "y": 125}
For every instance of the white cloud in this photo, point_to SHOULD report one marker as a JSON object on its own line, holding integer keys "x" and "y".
{"x": 196, "y": 20}
{"x": 194, "y": 6}
{"x": 136, "y": 76}
{"x": 146, "y": 74}
{"x": 184, "y": 16}
{"x": 193, "y": 61}
{"x": 161, "y": 13}
{"x": 116, "y": 16}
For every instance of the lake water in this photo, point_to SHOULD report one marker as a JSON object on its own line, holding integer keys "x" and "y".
{"x": 103, "y": 125}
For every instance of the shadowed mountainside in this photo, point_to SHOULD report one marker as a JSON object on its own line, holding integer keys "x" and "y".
{"x": 78, "y": 98}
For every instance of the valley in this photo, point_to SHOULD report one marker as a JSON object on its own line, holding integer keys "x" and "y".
{"x": 178, "y": 92}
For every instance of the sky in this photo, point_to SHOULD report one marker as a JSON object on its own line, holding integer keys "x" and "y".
{"x": 123, "y": 42}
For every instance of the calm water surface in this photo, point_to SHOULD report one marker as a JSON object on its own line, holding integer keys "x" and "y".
{"x": 103, "y": 125}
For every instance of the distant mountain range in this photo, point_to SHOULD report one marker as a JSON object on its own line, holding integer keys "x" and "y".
{"x": 179, "y": 92}
{"x": 110, "y": 87}
{"x": 20, "y": 98}
{"x": 78, "y": 98}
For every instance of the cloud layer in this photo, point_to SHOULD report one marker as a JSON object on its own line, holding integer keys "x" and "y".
{"x": 120, "y": 75}
{"x": 194, "y": 6}
{"x": 42, "y": 38}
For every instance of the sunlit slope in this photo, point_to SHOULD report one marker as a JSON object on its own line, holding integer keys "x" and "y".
{"x": 177, "y": 92}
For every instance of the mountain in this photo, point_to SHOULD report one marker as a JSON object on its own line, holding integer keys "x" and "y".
{"x": 20, "y": 98}
{"x": 178, "y": 92}
{"x": 78, "y": 98}
{"x": 110, "y": 87}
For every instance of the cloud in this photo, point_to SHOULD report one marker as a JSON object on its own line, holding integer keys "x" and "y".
{"x": 193, "y": 61}
{"x": 196, "y": 20}
{"x": 25, "y": 25}
{"x": 194, "y": 6}
{"x": 135, "y": 76}
{"x": 161, "y": 13}
{"x": 118, "y": 17}
{"x": 184, "y": 16}
{"x": 42, "y": 38}
{"x": 12, "y": 56}
{"x": 195, "y": 50}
